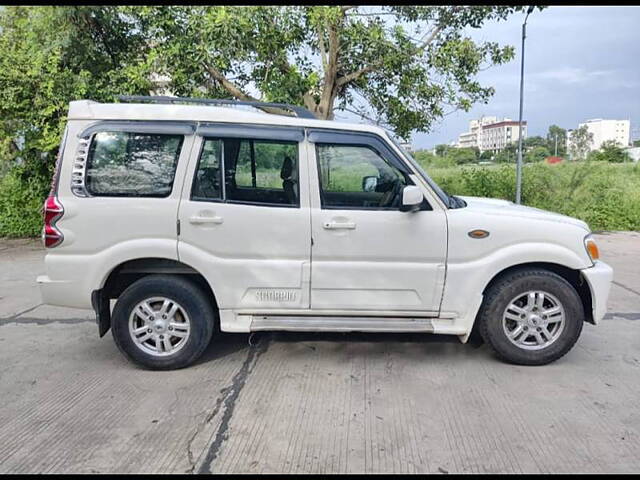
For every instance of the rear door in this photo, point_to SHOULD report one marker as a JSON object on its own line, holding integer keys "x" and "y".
{"x": 244, "y": 216}
{"x": 368, "y": 255}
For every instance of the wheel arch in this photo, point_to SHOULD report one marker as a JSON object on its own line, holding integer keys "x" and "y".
{"x": 573, "y": 276}
{"x": 126, "y": 273}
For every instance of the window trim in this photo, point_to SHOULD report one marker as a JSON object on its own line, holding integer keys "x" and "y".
{"x": 87, "y": 193}
{"x": 159, "y": 127}
{"x": 424, "y": 206}
{"x": 221, "y": 175}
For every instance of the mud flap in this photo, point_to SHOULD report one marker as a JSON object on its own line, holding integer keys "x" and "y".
{"x": 100, "y": 305}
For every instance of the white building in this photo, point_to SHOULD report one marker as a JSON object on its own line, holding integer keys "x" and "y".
{"x": 472, "y": 137}
{"x": 489, "y": 133}
{"x": 497, "y": 136}
{"x": 605, "y": 130}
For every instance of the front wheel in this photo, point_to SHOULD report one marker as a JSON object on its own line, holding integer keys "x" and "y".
{"x": 162, "y": 322}
{"x": 531, "y": 317}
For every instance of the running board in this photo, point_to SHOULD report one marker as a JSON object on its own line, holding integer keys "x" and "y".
{"x": 340, "y": 324}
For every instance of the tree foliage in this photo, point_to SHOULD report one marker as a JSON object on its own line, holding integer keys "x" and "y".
{"x": 557, "y": 136}
{"x": 401, "y": 66}
{"x": 610, "y": 151}
{"x": 580, "y": 142}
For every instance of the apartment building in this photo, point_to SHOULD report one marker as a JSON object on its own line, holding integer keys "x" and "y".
{"x": 605, "y": 130}
{"x": 497, "y": 136}
{"x": 472, "y": 138}
{"x": 489, "y": 133}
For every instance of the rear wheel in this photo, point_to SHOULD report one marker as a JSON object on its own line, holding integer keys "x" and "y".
{"x": 531, "y": 317}
{"x": 162, "y": 322}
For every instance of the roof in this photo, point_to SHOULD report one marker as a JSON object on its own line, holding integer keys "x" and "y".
{"x": 90, "y": 110}
{"x": 503, "y": 124}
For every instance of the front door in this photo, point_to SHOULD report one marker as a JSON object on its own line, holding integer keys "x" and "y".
{"x": 244, "y": 217}
{"x": 367, "y": 254}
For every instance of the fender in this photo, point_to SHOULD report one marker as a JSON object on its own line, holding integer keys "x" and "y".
{"x": 466, "y": 281}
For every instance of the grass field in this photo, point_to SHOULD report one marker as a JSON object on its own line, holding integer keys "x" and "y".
{"x": 605, "y": 195}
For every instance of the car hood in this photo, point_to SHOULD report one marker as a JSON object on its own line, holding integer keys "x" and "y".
{"x": 504, "y": 207}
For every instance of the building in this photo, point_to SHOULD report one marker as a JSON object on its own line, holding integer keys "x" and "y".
{"x": 497, "y": 136}
{"x": 605, "y": 130}
{"x": 634, "y": 153}
{"x": 489, "y": 133}
{"x": 471, "y": 138}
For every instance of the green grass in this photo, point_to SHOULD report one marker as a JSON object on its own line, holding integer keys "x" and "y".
{"x": 605, "y": 195}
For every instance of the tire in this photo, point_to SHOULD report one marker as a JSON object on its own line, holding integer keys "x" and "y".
{"x": 187, "y": 327}
{"x": 541, "y": 332}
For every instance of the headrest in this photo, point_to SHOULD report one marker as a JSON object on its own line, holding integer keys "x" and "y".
{"x": 287, "y": 168}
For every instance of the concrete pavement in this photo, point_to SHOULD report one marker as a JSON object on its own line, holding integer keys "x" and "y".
{"x": 321, "y": 403}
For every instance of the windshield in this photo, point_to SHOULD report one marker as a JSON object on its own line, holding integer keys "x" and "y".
{"x": 449, "y": 200}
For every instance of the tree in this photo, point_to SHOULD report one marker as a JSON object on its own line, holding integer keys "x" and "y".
{"x": 580, "y": 142}
{"x": 400, "y": 66}
{"x": 443, "y": 149}
{"x": 610, "y": 151}
{"x": 462, "y": 156}
{"x": 532, "y": 142}
{"x": 536, "y": 154}
{"x": 49, "y": 56}
{"x": 556, "y": 132}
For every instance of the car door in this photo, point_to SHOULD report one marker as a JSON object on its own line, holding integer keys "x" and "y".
{"x": 367, "y": 254}
{"x": 244, "y": 216}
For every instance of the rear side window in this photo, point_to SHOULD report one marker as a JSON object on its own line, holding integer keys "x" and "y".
{"x": 258, "y": 172}
{"x": 129, "y": 164}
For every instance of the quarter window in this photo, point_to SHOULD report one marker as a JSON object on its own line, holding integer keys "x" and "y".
{"x": 353, "y": 176}
{"x": 255, "y": 171}
{"x": 132, "y": 164}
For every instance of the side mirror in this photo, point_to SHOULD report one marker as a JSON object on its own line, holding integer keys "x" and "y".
{"x": 369, "y": 184}
{"x": 412, "y": 198}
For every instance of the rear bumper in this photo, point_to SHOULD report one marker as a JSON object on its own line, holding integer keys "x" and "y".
{"x": 63, "y": 293}
{"x": 599, "y": 278}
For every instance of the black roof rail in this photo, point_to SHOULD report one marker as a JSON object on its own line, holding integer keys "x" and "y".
{"x": 300, "y": 112}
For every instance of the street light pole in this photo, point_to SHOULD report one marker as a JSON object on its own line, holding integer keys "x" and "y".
{"x": 519, "y": 162}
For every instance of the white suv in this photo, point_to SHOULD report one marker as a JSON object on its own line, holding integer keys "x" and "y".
{"x": 176, "y": 218}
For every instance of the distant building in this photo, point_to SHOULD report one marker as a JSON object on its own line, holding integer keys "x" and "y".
{"x": 489, "y": 133}
{"x": 408, "y": 146}
{"x": 497, "y": 136}
{"x": 472, "y": 138}
{"x": 605, "y": 130}
{"x": 634, "y": 153}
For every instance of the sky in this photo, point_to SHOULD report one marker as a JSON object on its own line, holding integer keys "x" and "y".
{"x": 580, "y": 63}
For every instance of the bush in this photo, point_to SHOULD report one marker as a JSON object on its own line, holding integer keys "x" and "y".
{"x": 606, "y": 196}
{"x": 21, "y": 200}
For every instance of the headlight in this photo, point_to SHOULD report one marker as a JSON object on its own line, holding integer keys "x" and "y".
{"x": 592, "y": 248}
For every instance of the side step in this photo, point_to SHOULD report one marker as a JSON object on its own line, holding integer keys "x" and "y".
{"x": 340, "y": 324}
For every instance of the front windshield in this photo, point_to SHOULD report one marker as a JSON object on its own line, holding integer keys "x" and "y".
{"x": 444, "y": 196}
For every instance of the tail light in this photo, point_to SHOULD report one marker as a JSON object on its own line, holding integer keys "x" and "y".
{"x": 52, "y": 212}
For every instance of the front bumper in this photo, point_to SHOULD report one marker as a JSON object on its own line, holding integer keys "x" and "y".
{"x": 599, "y": 278}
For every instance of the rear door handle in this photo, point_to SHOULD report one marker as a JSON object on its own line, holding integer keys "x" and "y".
{"x": 340, "y": 225}
{"x": 197, "y": 219}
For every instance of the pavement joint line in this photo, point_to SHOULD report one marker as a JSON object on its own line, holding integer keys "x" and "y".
{"x": 44, "y": 321}
{"x": 12, "y": 317}
{"x": 625, "y": 315}
{"x": 626, "y": 288}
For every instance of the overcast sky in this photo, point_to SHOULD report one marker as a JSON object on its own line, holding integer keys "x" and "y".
{"x": 580, "y": 63}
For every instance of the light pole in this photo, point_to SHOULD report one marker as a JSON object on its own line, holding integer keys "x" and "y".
{"x": 519, "y": 162}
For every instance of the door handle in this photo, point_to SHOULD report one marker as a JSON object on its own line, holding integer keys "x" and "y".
{"x": 197, "y": 219}
{"x": 339, "y": 225}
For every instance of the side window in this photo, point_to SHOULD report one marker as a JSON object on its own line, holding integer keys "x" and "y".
{"x": 354, "y": 176}
{"x": 129, "y": 164}
{"x": 255, "y": 171}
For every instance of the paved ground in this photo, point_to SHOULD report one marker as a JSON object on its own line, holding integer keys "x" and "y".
{"x": 69, "y": 402}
